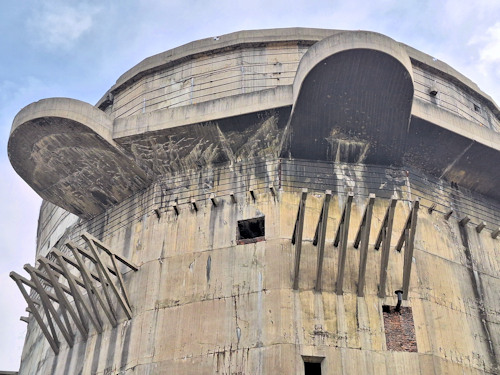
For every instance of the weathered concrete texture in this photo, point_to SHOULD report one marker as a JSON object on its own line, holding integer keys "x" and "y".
{"x": 200, "y": 301}
{"x": 236, "y": 311}
{"x": 63, "y": 149}
{"x": 218, "y": 75}
{"x": 450, "y": 96}
{"x": 53, "y": 224}
{"x": 190, "y": 147}
{"x": 358, "y": 95}
{"x": 209, "y": 46}
{"x": 170, "y": 163}
{"x": 364, "y": 97}
{"x": 399, "y": 329}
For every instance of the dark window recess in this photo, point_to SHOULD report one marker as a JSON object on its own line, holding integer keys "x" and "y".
{"x": 251, "y": 230}
{"x": 312, "y": 368}
{"x": 399, "y": 329}
{"x": 477, "y": 108}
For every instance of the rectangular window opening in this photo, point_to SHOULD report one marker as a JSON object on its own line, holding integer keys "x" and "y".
{"x": 477, "y": 108}
{"x": 251, "y": 230}
{"x": 312, "y": 365}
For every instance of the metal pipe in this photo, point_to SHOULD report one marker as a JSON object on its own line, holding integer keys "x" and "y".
{"x": 400, "y": 299}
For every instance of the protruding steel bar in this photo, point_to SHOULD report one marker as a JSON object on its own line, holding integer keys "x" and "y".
{"x": 53, "y": 341}
{"x": 399, "y": 293}
{"x": 364, "y": 237}
{"x": 384, "y": 238}
{"x": 320, "y": 238}
{"x": 272, "y": 190}
{"x": 410, "y": 240}
{"x": 297, "y": 237}
{"x": 341, "y": 238}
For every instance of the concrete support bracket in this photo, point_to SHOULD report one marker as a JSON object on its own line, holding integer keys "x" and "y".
{"x": 297, "y": 237}
{"x": 362, "y": 238}
{"x": 408, "y": 239}
{"x": 319, "y": 237}
{"x": 77, "y": 296}
{"x": 51, "y": 337}
{"x": 64, "y": 302}
{"x": 121, "y": 297}
{"x": 93, "y": 291}
{"x": 50, "y": 311}
{"x": 341, "y": 238}
{"x": 384, "y": 238}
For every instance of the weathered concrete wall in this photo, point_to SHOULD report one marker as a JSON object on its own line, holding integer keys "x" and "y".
{"x": 53, "y": 222}
{"x": 211, "y": 76}
{"x": 204, "y": 304}
{"x": 452, "y": 97}
{"x": 196, "y": 139}
{"x": 327, "y": 90}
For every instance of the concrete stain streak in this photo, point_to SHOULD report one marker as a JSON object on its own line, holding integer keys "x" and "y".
{"x": 479, "y": 296}
{"x": 193, "y": 143}
{"x": 452, "y": 164}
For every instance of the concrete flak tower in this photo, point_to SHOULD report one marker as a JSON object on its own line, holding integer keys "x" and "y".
{"x": 288, "y": 201}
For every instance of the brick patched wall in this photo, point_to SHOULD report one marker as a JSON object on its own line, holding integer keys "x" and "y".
{"x": 399, "y": 329}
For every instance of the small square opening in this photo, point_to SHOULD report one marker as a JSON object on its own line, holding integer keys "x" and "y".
{"x": 477, "y": 108}
{"x": 312, "y": 365}
{"x": 251, "y": 230}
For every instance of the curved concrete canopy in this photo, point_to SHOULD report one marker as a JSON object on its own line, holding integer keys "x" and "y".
{"x": 352, "y": 100}
{"x": 453, "y": 148}
{"x": 63, "y": 149}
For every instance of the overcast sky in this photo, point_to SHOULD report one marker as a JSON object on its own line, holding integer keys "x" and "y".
{"x": 78, "y": 49}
